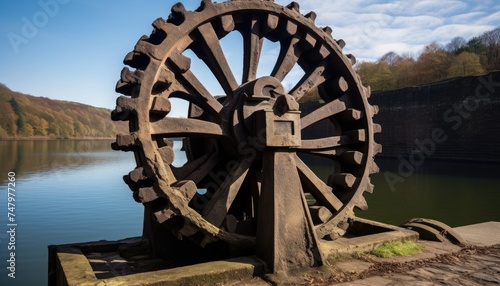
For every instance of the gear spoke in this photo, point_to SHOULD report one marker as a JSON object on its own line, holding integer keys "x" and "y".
{"x": 213, "y": 55}
{"x": 189, "y": 85}
{"x": 314, "y": 77}
{"x": 181, "y": 173}
{"x": 252, "y": 47}
{"x": 204, "y": 169}
{"x": 327, "y": 110}
{"x": 184, "y": 127}
{"x": 317, "y": 188}
{"x": 289, "y": 54}
{"x": 217, "y": 208}
{"x": 195, "y": 91}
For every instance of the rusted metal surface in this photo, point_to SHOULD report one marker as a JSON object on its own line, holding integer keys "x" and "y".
{"x": 245, "y": 181}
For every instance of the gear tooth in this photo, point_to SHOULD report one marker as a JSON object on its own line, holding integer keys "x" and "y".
{"x": 125, "y": 142}
{"x": 147, "y": 194}
{"x": 327, "y": 30}
{"x": 342, "y": 180}
{"x": 135, "y": 195}
{"x": 161, "y": 24}
{"x": 294, "y": 6}
{"x": 147, "y": 48}
{"x": 157, "y": 36}
{"x": 311, "y": 15}
{"x": 357, "y": 135}
{"x": 377, "y": 128}
{"x": 341, "y": 43}
{"x": 351, "y": 58}
{"x": 136, "y": 60}
{"x": 352, "y": 157}
{"x": 120, "y": 114}
{"x": 127, "y": 180}
{"x": 350, "y": 114}
{"x": 167, "y": 154}
{"x": 374, "y": 168}
{"x": 187, "y": 188}
{"x": 369, "y": 188}
{"x": 161, "y": 105}
{"x": 308, "y": 41}
{"x": 137, "y": 175}
{"x": 132, "y": 187}
{"x": 164, "y": 214}
{"x": 377, "y": 148}
{"x": 129, "y": 58}
{"x": 126, "y": 103}
{"x": 272, "y": 22}
{"x": 204, "y": 5}
{"x": 368, "y": 91}
{"x": 291, "y": 28}
{"x": 361, "y": 203}
{"x": 375, "y": 109}
{"x": 129, "y": 81}
{"x": 227, "y": 23}
{"x": 178, "y": 14}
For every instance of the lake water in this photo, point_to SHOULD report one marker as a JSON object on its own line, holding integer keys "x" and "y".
{"x": 72, "y": 191}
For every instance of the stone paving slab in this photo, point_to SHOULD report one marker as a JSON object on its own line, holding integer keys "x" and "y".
{"x": 470, "y": 266}
{"x": 481, "y": 234}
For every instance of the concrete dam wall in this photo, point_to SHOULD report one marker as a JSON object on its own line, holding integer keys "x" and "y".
{"x": 455, "y": 119}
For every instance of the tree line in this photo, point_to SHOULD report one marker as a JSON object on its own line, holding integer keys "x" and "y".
{"x": 436, "y": 62}
{"x": 26, "y": 116}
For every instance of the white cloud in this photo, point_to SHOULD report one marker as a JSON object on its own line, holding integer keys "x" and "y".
{"x": 471, "y": 17}
{"x": 492, "y": 19}
{"x": 417, "y": 22}
{"x": 432, "y": 7}
{"x": 373, "y": 28}
{"x": 448, "y": 32}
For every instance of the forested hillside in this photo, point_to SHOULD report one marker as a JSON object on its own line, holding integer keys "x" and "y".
{"x": 436, "y": 62}
{"x": 26, "y": 116}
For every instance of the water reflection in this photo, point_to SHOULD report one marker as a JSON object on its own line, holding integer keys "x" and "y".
{"x": 41, "y": 156}
{"x": 66, "y": 191}
{"x": 457, "y": 193}
{"x": 72, "y": 191}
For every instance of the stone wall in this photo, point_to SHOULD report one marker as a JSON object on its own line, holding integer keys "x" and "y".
{"x": 456, "y": 119}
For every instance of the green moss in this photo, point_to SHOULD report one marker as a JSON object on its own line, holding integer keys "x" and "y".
{"x": 398, "y": 248}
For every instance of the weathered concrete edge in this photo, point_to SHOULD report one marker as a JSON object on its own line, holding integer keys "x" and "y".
{"x": 480, "y": 234}
{"x": 350, "y": 246}
{"x": 73, "y": 268}
{"x": 208, "y": 273}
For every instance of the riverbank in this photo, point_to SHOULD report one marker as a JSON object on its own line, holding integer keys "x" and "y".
{"x": 476, "y": 263}
{"x": 440, "y": 264}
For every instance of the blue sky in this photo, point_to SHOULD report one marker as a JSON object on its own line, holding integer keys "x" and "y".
{"x": 73, "y": 49}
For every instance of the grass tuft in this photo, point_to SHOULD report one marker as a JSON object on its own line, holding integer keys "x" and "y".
{"x": 398, "y": 248}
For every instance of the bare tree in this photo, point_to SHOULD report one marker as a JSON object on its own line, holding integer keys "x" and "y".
{"x": 455, "y": 44}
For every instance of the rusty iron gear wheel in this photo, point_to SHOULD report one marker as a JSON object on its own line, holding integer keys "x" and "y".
{"x": 215, "y": 194}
